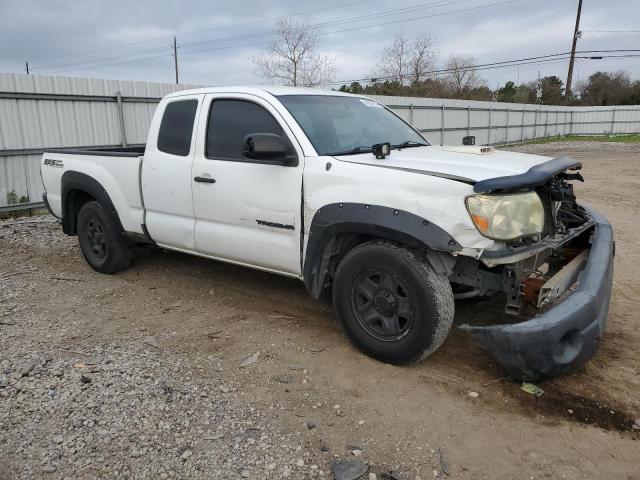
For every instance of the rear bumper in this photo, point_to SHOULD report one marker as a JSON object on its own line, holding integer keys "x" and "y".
{"x": 566, "y": 335}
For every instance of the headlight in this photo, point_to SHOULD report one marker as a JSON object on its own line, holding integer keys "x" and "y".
{"x": 506, "y": 217}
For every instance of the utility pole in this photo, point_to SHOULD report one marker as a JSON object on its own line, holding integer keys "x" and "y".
{"x": 175, "y": 57}
{"x": 27, "y": 65}
{"x": 576, "y": 35}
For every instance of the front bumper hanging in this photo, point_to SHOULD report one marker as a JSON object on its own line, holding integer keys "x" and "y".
{"x": 566, "y": 335}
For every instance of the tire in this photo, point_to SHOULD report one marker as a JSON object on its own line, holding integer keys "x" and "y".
{"x": 102, "y": 243}
{"x": 392, "y": 305}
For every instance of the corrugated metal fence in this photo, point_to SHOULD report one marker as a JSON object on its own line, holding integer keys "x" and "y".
{"x": 446, "y": 121}
{"x": 38, "y": 112}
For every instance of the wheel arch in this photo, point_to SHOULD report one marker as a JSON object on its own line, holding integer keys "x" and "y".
{"x": 77, "y": 189}
{"x": 339, "y": 227}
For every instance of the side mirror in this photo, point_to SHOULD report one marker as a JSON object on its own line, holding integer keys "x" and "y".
{"x": 269, "y": 147}
{"x": 470, "y": 140}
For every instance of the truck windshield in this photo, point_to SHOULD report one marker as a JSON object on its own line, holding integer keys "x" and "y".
{"x": 338, "y": 125}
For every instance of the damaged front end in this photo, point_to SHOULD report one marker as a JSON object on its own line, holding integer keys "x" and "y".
{"x": 557, "y": 286}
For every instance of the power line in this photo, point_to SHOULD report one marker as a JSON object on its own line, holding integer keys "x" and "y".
{"x": 131, "y": 60}
{"x": 227, "y": 47}
{"x": 610, "y": 51}
{"x": 489, "y": 66}
{"x": 144, "y": 55}
{"x": 601, "y": 57}
{"x": 193, "y": 32}
{"x": 184, "y": 46}
{"x": 387, "y": 13}
{"x": 228, "y": 39}
{"x": 262, "y": 20}
{"x": 507, "y": 63}
{"x": 425, "y": 16}
{"x": 610, "y": 31}
{"x": 335, "y": 22}
{"x": 496, "y": 65}
{"x": 450, "y": 12}
{"x": 116, "y": 47}
{"x": 391, "y": 12}
{"x": 479, "y": 67}
{"x": 103, "y": 59}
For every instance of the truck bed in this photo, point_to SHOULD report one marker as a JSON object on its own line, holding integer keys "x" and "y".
{"x": 115, "y": 169}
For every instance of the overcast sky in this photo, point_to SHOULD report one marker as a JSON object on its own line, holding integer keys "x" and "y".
{"x": 128, "y": 39}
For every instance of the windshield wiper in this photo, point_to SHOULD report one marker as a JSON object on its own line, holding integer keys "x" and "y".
{"x": 410, "y": 143}
{"x": 363, "y": 148}
{"x": 351, "y": 151}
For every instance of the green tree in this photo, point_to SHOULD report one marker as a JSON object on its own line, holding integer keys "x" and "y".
{"x": 634, "y": 98}
{"x": 479, "y": 93}
{"x": 430, "y": 87}
{"x": 508, "y": 92}
{"x": 526, "y": 93}
{"x": 392, "y": 88}
{"x": 552, "y": 90}
{"x": 355, "y": 87}
{"x": 605, "y": 88}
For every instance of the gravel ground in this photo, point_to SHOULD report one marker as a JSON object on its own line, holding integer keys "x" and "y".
{"x": 181, "y": 367}
{"x": 573, "y": 148}
{"x": 74, "y": 408}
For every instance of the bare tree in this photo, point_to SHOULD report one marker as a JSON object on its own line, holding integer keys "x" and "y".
{"x": 292, "y": 58}
{"x": 461, "y": 75}
{"x": 393, "y": 61}
{"x": 422, "y": 58}
{"x": 407, "y": 60}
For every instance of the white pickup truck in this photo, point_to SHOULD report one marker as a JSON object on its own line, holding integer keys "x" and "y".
{"x": 338, "y": 191}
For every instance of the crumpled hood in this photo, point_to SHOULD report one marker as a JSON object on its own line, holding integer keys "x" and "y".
{"x": 463, "y": 163}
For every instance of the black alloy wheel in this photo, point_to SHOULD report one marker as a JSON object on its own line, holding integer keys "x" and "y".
{"x": 382, "y": 305}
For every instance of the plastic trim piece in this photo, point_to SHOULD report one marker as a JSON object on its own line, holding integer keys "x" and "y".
{"x": 74, "y": 182}
{"x": 536, "y": 176}
{"x": 130, "y": 151}
{"x": 370, "y": 220}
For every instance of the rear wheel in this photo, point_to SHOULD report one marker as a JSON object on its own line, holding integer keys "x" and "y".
{"x": 103, "y": 245}
{"x": 391, "y": 303}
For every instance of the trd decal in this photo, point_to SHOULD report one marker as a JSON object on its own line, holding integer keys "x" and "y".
{"x": 52, "y": 162}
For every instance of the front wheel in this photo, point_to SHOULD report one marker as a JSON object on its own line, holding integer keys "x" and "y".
{"x": 393, "y": 306}
{"x": 103, "y": 245}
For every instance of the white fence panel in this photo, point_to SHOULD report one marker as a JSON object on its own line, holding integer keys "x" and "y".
{"x": 38, "y": 112}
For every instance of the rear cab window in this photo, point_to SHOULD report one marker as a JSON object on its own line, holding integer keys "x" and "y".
{"x": 176, "y": 128}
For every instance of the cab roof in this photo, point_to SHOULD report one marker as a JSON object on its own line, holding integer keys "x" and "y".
{"x": 260, "y": 91}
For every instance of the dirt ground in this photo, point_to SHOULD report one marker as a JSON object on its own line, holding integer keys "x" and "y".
{"x": 154, "y": 372}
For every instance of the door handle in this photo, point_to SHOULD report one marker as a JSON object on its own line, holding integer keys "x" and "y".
{"x": 204, "y": 179}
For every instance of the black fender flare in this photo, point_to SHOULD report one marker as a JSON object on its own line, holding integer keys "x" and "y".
{"x": 375, "y": 221}
{"x": 73, "y": 182}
